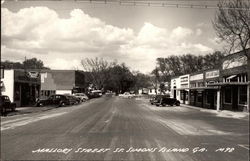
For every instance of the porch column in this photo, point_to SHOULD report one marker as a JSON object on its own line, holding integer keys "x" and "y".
{"x": 248, "y": 96}
{"x": 218, "y": 100}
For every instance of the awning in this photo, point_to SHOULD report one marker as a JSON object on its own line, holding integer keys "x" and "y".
{"x": 232, "y": 76}
{"x": 203, "y": 88}
{"x": 228, "y": 83}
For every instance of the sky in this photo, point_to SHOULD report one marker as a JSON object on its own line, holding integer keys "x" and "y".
{"x": 62, "y": 33}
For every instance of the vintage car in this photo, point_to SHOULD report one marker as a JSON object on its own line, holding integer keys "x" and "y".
{"x": 164, "y": 100}
{"x": 73, "y": 99}
{"x": 95, "y": 94}
{"x": 82, "y": 96}
{"x": 6, "y": 104}
{"x": 126, "y": 95}
{"x": 56, "y": 100}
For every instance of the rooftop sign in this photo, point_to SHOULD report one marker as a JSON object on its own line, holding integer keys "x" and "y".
{"x": 212, "y": 74}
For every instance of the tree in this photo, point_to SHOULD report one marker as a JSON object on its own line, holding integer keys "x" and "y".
{"x": 141, "y": 80}
{"x": 232, "y": 25}
{"x": 33, "y": 63}
{"x": 120, "y": 79}
{"x": 97, "y": 69}
{"x": 185, "y": 64}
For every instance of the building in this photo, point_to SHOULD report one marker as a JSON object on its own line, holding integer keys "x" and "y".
{"x": 62, "y": 82}
{"x": 179, "y": 88}
{"x": 233, "y": 82}
{"x": 224, "y": 88}
{"x": 202, "y": 95}
{"x": 197, "y": 93}
{"x": 22, "y": 86}
{"x": 174, "y": 85}
{"x": 183, "y": 91}
{"x": 211, "y": 92}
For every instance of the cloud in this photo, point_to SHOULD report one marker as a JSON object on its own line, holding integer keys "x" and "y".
{"x": 180, "y": 33}
{"x": 198, "y": 32}
{"x": 61, "y": 43}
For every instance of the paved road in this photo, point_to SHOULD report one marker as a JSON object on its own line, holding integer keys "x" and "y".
{"x": 113, "y": 128}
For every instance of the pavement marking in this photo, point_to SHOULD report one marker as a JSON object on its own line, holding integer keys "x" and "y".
{"x": 183, "y": 128}
{"x": 13, "y": 125}
{"x": 15, "y": 120}
{"x": 245, "y": 146}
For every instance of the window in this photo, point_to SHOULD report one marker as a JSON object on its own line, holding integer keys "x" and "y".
{"x": 228, "y": 95}
{"x": 184, "y": 94}
{"x": 243, "y": 95}
{"x": 192, "y": 85}
{"x": 200, "y": 84}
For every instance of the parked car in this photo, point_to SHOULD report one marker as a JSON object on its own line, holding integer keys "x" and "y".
{"x": 126, "y": 95}
{"x": 57, "y": 100}
{"x": 6, "y": 104}
{"x": 95, "y": 94}
{"x": 73, "y": 100}
{"x": 164, "y": 100}
{"x": 82, "y": 96}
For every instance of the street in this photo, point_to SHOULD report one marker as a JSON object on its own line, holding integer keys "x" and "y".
{"x": 115, "y": 128}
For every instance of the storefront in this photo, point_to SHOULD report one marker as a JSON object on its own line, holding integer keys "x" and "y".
{"x": 211, "y": 77}
{"x": 22, "y": 86}
{"x": 197, "y": 89}
{"x": 233, "y": 82}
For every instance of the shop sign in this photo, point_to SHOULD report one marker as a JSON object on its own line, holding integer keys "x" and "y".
{"x": 212, "y": 74}
{"x": 196, "y": 77}
{"x": 234, "y": 62}
{"x": 33, "y": 74}
{"x": 184, "y": 79}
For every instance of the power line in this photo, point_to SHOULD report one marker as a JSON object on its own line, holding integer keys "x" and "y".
{"x": 150, "y": 3}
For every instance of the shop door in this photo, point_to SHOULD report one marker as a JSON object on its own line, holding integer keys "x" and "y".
{"x": 211, "y": 97}
{"x": 235, "y": 98}
{"x": 174, "y": 92}
{"x": 25, "y": 94}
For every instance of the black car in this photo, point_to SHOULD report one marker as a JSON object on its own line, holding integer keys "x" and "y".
{"x": 57, "y": 100}
{"x": 6, "y": 104}
{"x": 164, "y": 100}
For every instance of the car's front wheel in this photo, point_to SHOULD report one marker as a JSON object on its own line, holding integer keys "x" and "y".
{"x": 62, "y": 104}
{"x": 40, "y": 104}
{"x": 177, "y": 103}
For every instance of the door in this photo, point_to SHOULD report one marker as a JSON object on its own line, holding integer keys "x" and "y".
{"x": 235, "y": 98}
{"x": 174, "y": 91}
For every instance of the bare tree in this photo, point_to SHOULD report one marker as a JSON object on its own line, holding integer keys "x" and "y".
{"x": 232, "y": 25}
{"x": 96, "y": 68}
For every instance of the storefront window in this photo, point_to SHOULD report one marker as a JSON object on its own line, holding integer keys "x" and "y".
{"x": 184, "y": 94}
{"x": 228, "y": 95}
{"x": 243, "y": 95}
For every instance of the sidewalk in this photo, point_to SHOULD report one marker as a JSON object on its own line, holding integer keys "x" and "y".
{"x": 222, "y": 113}
{"x": 26, "y": 110}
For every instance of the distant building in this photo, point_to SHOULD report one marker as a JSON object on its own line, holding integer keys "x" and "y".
{"x": 62, "y": 82}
